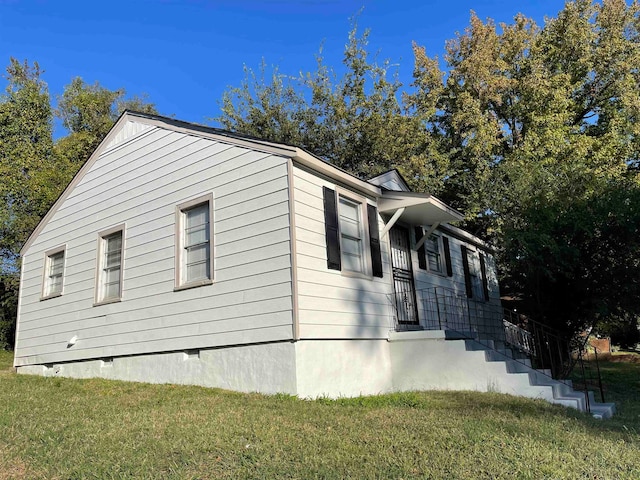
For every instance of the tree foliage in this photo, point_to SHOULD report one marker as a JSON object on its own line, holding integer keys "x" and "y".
{"x": 356, "y": 120}
{"x": 542, "y": 125}
{"x": 531, "y": 130}
{"x": 35, "y": 168}
{"x": 88, "y": 112}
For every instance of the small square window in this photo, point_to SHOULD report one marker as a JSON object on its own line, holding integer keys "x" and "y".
{"x": 194, "y": 241}
{"x": 110, "y": 265}
{"x": 53, "y": 273}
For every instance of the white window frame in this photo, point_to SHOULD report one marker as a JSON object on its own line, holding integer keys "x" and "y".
{"x": 100, "y": 298}
{"x": 440, "y": 253}
{"x": 46, "y": 275}
{"x": 180, "y": 257}
{"x": 366, "y": 248}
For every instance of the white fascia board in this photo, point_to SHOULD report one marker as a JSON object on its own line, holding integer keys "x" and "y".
{"x": 421, "y": 209}
{"x": 318, "y": 165}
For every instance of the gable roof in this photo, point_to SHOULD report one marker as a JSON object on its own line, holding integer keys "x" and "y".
{"x": 115, "y": 136}
{"x": 131, "y": 124}
{"x": 391, "y": 180}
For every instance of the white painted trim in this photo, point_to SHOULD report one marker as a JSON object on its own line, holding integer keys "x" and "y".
{"x": 390, "y": 175}
{"x": 366, "y": 249}
{"x": 295, "y": 153}
{"x": 97, "y": 300}
{"x": 45, "y": 271}
{"x": 318, "y": 165}
{"x": 75, "y": 180}
{"x": 294, "y": 253}
{"x": 19, "y": 309}
{"x": 465, "y": 236}
{"x": 179, "y": 240}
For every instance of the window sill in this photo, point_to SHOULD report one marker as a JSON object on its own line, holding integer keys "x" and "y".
{"x": 347, "y": 273}
{"x": 439, "y": 274}
{"x": 199, "y": 283}
{"x": 107, "y": 301}
{"x": 49, "y": 297}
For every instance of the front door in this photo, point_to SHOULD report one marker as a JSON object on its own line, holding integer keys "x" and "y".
{"x": 405, "y": 292}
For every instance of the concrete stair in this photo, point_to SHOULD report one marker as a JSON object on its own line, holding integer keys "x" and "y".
{"x": 523, "y": 380}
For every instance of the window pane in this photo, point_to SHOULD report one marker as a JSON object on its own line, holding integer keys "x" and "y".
{"x": 199, "y": 253}
{"x": 197, "y": 271}
{"x": 112, "y": 259}
{"x": 197, "y": 244}
{"x": 196, "y": 235}
{"x": 434, "y": 262}
{"x": 349, "y": 209}
{"x": 112, "y": 290}
{"x": 112, "y": 266}
{"x": 112, "y": 275}
{"x": 349, "y": 228}
{"x": 114, "y": 242}
{"x": 56, "y": 262}
{"x": 54, "y": 275}
{"x": 55, "y": 285}
{"x": 351, "y": 235}
{"x": 353, "y": 263}
{"x": 197, "y": 216}
{"x": 351, "y": 246}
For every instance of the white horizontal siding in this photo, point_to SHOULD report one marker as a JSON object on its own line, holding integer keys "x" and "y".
{"x": 333, "y": 305}
{"x": 139, "y": 182}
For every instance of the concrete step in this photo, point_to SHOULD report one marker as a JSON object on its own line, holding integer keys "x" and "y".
{"x": 516, "y": 376}
{"x": 603, "y": 411}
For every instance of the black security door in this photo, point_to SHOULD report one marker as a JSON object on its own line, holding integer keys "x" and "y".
{"x": 405, "y": 293}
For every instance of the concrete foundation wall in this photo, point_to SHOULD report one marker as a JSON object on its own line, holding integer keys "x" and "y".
{"x": 343, "y": 368}
{"x": 315, "y": 368}
{"x": 433, "y": 363}
{"x": 265, "y": 368}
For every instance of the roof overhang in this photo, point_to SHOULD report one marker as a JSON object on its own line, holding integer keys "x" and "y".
{"x": 419, "y": 208}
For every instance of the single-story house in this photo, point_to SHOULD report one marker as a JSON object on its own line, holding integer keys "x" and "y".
{"x": 186, "y": 254}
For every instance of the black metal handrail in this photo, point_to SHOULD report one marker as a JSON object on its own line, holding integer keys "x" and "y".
{"x": 539, "y": 346}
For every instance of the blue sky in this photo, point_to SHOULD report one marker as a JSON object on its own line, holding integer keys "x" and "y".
{"x": 185, "y": 54}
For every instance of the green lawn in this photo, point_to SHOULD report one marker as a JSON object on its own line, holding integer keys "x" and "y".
{"x": 67, "y": 429}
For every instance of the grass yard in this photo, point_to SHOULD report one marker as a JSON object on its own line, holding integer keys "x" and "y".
{"x": 68, "y": 429}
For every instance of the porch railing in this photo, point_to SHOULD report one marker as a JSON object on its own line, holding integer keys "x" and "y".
{"x": 546, "y": 349}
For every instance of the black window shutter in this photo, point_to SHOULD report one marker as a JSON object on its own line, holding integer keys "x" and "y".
{"x": 331, "y": 229}
{"x": 422, "y": 257}
{"x": 374, "y": 241}
{"x": 447, "y": 256}
{"x": 467, "y": 274}
{"x": 483, "y": 272}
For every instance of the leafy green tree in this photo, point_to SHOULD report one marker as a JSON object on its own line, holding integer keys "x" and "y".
{"x": 541, "y": 128}
{"x": 531, "y": 130}
{"x": 88, "y": 112}
{"x": 355, "y": 121}
{"x": 34, "y": 168}
{"x": 31, "y": 175}
{"x": 31, "y": 172}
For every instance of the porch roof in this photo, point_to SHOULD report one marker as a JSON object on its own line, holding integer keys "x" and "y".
{"x": 419, "y": 208}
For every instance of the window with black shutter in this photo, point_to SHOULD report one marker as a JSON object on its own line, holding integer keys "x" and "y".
{"x": 347, "y": 223}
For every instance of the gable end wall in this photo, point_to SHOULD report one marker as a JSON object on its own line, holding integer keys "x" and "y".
{"x": 138, "y": 182}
